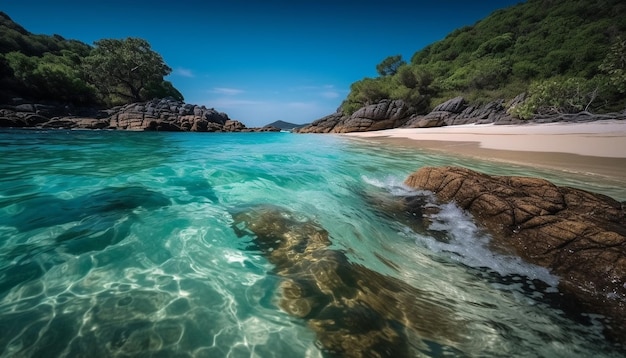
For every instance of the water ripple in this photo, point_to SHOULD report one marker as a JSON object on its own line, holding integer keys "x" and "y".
{"x": 123, "y": 244}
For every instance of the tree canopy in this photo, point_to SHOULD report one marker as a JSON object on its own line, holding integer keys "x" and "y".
{"x": 126, "y": 69}
{"x": 521, "y": 49}
{"x": 390, "y": 65}
{"x": 51, "y": 68}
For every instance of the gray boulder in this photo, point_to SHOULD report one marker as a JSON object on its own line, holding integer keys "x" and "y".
{"x": 454, "y": 105}
{"x": 322, "y": 125}
{"x": 385, "y": 114}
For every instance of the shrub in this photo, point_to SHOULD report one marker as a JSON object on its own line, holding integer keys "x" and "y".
{"x": 558, "y": 95}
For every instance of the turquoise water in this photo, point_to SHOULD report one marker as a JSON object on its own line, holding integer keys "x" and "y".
{"x": 123, "y": 244}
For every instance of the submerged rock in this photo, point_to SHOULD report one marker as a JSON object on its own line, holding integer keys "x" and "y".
{"x": 578, "y": 235}
{"x": 354, "y": 311}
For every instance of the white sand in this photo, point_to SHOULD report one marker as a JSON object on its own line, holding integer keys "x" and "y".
{"x": 600, "y": 138}
{"x": 591, "y": 148}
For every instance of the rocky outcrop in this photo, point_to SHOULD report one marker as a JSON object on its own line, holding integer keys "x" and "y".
{"x": 457, "y": 111}
{"x": 578, "y": 235}
{"x": 393, "y": 114}
{"x": 20, "y": 119}
{"x": 22, "y": 114}
{"x": 165, "y": 114}
{"x": 323, "y": 125}
{"x": 354, "y": 311}
{"x": 384, "y": 115}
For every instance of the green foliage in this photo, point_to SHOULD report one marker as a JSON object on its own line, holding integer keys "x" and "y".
{"x": 390, "y": 65}
{"x": 559, "y": 95}
{"x": 413, "y": 86}
{"x": 534, "y": 42}
{"x": 365, "y": 92}
{"x": 161, "y": 90}
{"x": 410, "y": 84}
{"x": 495, "y": 45}
{"x": 42, "y": 67}
{"x": 525, "y": 70}
{"x": 486, "y": 73}
{"x": 51, "y": 77}
{"x": 125, "y": 68}
{"x": 614, "y": 65}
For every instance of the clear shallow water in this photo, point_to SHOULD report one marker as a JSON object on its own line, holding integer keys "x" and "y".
{"x": 122, "y": 244}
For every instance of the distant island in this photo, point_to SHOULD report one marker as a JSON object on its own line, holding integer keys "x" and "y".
{"x": 284, "y": 126}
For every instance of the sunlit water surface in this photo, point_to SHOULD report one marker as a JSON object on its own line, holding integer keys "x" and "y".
{"x": 122, "y": 244}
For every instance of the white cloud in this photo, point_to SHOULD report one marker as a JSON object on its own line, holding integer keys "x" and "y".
{"x": 234, "y": 103}
{"x": 302, "y": 105}
{"x": 330, "y": 94}
{"x": 325, "y": 91}
{"x": 183, "y": 72}
{"x": 227, "y": 91}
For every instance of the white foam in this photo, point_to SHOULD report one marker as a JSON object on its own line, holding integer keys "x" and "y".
{"x": 466, "y": 243}
{"x": 393, "y": 184}
{"x": 470, "y": 246}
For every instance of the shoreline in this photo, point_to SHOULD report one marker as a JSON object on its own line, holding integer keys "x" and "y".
{"x": 591, "y": 148}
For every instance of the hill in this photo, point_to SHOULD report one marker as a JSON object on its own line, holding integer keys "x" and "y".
{"x": 49, "y": 68}
{"x": 565, "y": 55}
{"x": 282, "y": 125}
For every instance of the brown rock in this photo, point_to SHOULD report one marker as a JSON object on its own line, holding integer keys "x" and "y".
{"x": 580, "y": 236}
{"x": 233, "y": 126}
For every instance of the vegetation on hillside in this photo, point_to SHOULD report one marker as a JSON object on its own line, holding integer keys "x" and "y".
{"x": 566, "y": 56}
{"x": 51, "y": 68}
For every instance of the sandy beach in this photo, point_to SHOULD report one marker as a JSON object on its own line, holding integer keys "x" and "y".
{"x": 597, "y": 148}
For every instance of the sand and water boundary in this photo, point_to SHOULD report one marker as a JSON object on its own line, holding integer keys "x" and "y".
{"x": 595, "y": 148}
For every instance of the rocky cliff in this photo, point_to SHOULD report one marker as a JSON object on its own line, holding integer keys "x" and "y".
{"x": 157, "y": 115}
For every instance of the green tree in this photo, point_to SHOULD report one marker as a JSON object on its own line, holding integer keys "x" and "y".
{"x": 125, "y": 70}
{"x": 365, "y": 92}
{"x": 614, "y": 65}
{"x": 413, "y": 86}
{"x": 390, "y": 65}
{"x": 162, "y": 90}
{"x": 51, "y": 77}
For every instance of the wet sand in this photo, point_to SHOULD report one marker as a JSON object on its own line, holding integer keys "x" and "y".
{"x": 597, "y": 148}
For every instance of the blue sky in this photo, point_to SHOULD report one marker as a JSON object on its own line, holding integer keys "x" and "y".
{"x": 261, "y": 61}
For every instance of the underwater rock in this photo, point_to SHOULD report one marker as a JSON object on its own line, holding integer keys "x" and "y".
{"x": 354, "y": 311}
{"x": 578, "y": 235}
